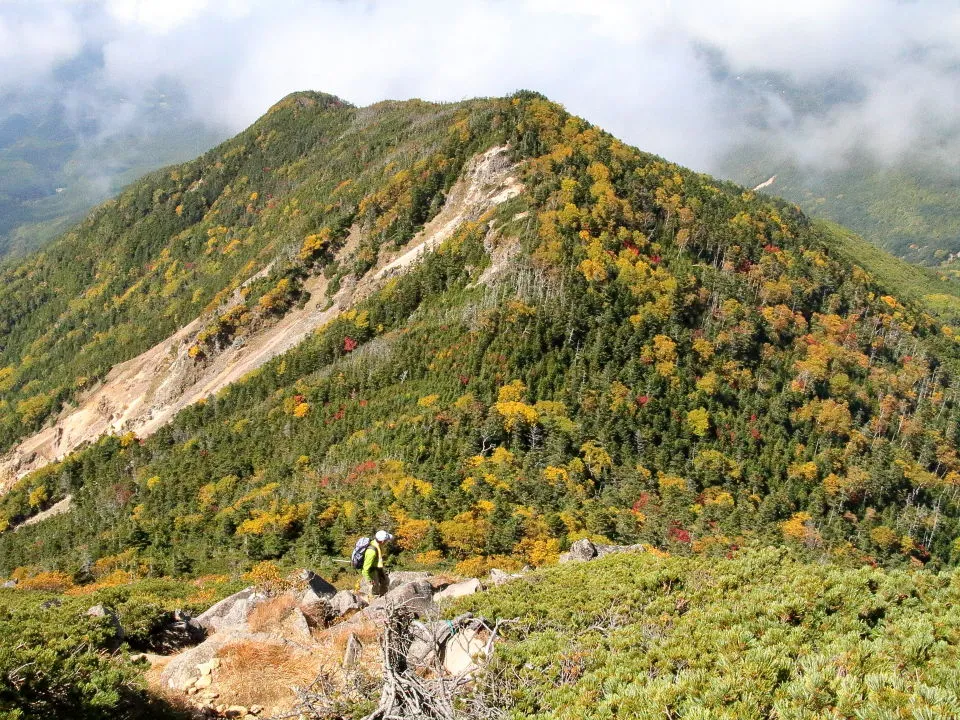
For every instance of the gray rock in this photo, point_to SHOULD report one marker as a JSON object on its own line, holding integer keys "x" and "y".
{"x": 316, "y": 588}
{"x": 416, "y": 596}
{"x": 431, "y": 639}
{"x": 352, "y": 652}
{"x": 458, "y": 590}
{"x": 230, "y": 612}
{"x": 402, "y": 577}
{"x": 182, "y": 669}
{"x": 345, "y": 602}
{"x": 580, "y": 551}
{"x": 463, "y": 653}
{"x": 501, "y": 577}
{"x": 99, "y": 611}
{"x": 428, "y": 641}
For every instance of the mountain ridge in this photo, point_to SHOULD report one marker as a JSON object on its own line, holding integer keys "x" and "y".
{"x": 656, "y": 357}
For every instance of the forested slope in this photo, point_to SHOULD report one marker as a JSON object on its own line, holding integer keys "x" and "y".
{"x": 627, "y": 351}
{"x": 179, "y": 243}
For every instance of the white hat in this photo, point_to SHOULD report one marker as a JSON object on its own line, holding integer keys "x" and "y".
{"x": 383, "y": 536}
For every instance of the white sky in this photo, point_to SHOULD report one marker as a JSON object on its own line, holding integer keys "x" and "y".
{"x": 638, "y": 68}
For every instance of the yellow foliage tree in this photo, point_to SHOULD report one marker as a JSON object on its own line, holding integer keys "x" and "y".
{"x": 800, "y": 528}
{"x": 698, "y": 421}
{"x": 466, "y": 534}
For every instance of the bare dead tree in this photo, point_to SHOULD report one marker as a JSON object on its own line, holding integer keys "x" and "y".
{"x": 415, "y": 685}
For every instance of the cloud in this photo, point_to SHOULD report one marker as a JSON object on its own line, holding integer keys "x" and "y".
{"x": 33, "y": 39}
{"x": 687, "y": 79}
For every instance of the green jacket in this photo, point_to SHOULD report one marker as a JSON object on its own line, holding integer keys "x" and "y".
{"x": 372, "y": 557}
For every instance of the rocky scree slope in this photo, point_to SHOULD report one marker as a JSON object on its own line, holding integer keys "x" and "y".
{"x": 142, "y": 394}
{"x": 226, "y": 242}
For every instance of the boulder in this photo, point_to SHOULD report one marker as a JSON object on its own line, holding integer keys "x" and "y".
{"x": 352, "y": 652}
{"x": 345, "y": 602}
{"x": 232, "y": 611}
{"x": 580, "y": 551}
{"x": 402, "y": 577}
{"x": 416, "y": 596}
{"x": 500, "y": 577}
{"x": 428, "y": 641}
{"x": 182, "y": 669}
{"x": 99, "y": 611}
{"x": 296, "y": 627}
{"x": 462, "y": 653}
{"x": 317, "y": 589}
{"x": 458, "y": 590}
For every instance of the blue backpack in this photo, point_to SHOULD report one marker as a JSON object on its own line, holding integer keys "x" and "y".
{"x": 359, "y": 550}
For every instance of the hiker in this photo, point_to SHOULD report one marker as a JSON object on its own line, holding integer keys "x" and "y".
{"x": 374, "y": 578}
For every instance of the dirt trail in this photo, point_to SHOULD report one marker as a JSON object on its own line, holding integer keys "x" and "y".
{"x": 144, "y": 393}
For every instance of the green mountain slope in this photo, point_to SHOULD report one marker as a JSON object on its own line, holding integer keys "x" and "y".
{"x": 182, "y": 240}
{"x": 935, "y": 291}
{"x": 58, "y": 160}
{"x": 910, "y": 209}
{"x": 627, "y": 351}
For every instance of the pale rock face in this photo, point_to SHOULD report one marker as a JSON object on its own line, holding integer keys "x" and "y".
{"x": 296, "y": 627}
{"x": 462, "y": 653}
{"x": 230, "y": 612}
{"x": 500, "y": 577}
{"x": 458, "y": 590}
{"x": 345, "y": 602}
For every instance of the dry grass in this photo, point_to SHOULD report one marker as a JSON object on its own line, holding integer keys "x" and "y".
{"x": 271, "y": 613}
{"x": 260, "y": 673}
{"x": 334, "y": 640}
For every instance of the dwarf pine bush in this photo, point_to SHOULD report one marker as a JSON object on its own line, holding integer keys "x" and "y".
{"x": 761, "y": 635}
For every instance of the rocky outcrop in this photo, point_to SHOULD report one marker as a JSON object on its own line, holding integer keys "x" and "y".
{"x": 296, "y": 627}
{"x": 458, "y": 590}
{"x": 345, "y": 603}
{"x": 585, "y": 550}
{"x": 501, "y": 577}
{"x": 232, "y": 611}
{"x": 402, "y": 577}
{"x": 316, "y": 587}
{"x": 416, "y": 596}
